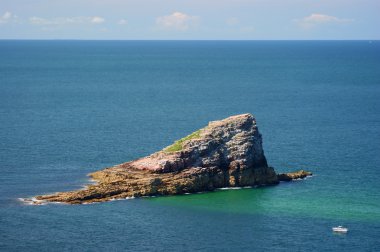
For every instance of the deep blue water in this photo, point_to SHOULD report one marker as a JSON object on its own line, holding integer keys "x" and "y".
{"x": 68, "y": 108}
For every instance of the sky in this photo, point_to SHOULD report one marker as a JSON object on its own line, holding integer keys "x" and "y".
{"x": 190, "y": 19}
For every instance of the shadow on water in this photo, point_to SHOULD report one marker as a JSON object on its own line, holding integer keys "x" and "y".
{"x": 229, "y": 201}
{"x": 286, "y": 199}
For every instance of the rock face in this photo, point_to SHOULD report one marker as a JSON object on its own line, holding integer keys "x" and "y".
{"x": 226, "y": 153}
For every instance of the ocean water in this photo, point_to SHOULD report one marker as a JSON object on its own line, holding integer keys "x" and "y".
{"x": 68, "y": 108}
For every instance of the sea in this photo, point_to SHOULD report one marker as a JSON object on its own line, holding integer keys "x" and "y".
{"x": 68, "y": 108}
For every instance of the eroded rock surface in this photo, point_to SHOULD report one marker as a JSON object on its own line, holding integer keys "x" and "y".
{"x": 226, "y": 153}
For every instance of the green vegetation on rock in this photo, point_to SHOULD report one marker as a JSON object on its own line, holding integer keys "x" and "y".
{"x": 178, "y": 145}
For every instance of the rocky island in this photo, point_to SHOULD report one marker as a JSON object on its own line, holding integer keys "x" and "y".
{"x": 226, "y": 153}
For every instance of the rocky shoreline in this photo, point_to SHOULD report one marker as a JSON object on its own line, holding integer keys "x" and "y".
{"x": 226, "y": 153}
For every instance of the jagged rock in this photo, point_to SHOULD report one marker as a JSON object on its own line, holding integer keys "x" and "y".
{"x": 226, "y": 153}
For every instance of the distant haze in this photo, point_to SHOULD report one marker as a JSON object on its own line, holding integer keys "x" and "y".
{"x": 190, "y": 19}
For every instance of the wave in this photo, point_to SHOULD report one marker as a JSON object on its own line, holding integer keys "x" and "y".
{"x": 235, "y": 188}
{"x": 32, "y": 201}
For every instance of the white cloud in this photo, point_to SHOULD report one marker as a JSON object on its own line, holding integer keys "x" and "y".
{"x": 177, "y": 21}
{"x": 232, "y": 21}
{"x": 318, "y": 19}
{"x": 7, "y": 17}
{"x": 97, "y": 20}
{"x": 122, "y": 22}
{"x": 66, "y": 20}
{"x": 39, "y": 21}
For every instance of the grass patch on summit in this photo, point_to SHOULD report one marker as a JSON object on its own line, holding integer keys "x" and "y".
{"x": 178, "y": 145}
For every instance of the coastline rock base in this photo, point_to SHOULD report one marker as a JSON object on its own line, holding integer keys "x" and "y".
{"x": 119, "y": 184}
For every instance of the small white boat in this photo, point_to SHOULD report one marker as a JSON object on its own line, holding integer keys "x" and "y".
{"x": 340, "y": 229}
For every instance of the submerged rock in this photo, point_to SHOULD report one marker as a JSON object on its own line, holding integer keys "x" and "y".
{"x": 226, "y": 153}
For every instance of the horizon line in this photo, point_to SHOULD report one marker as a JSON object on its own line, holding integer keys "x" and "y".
{"x": 31, "y": 39}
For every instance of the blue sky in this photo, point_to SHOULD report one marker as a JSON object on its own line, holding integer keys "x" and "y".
{"x": 190, "y": 19}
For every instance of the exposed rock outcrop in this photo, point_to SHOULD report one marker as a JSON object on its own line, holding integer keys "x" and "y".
{"x": 226, "y": 153}
{"x": 293, "y": 175}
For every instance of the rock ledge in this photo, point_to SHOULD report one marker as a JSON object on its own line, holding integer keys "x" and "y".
{"x": 301, "y": 174}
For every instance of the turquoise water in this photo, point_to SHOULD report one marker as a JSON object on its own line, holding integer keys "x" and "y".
{"x": 68, "y": 108}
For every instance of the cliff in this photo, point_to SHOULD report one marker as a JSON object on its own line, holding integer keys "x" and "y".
{"x": 226, "y": 153}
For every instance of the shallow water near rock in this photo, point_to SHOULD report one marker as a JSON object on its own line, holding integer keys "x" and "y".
{"x": 68, "y": 108}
